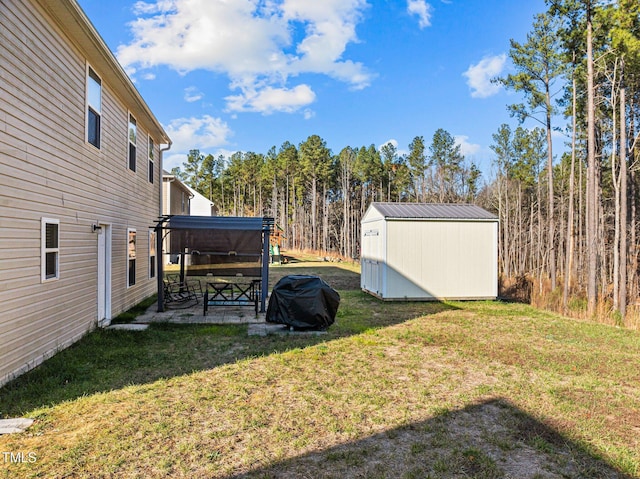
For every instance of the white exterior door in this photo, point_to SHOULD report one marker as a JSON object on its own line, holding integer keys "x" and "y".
{"x": 104, "y": 275}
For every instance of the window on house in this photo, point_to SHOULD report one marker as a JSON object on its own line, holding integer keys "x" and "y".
{"x": 152, "y": 253}
{"x": 151, "y": 160}
{"x": 94, "y": 107}
{"x": 133, "y": 134}
{"x": 50, "y": 249}
{"x": 131, "y": 254}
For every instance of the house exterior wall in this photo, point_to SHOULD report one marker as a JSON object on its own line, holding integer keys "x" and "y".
{"x": 48, "y": 170}
{"x": 175, "y": 197}
{"x": 176, "y": 200}
{"x": 199, "y": 205}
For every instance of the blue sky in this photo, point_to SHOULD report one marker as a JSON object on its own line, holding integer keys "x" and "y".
{"x": 223, "y": 76}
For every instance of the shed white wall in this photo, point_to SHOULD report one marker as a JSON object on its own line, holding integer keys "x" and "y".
{"x": 441, "y": 259}
{"x": 428, "y": 259}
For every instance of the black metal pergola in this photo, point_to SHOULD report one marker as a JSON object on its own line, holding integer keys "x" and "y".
{"x": 216, "y": 245}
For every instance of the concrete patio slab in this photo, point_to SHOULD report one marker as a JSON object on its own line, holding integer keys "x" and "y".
{"x": 195, "y": 315}
{"x": 265, "y": 329}
{"x": 14, "y": 426}
{"x": 257, "y": 326}
{"x": 129, "y": 327}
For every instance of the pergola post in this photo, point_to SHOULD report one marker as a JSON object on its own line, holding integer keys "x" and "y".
{"x": 265, "y": 266}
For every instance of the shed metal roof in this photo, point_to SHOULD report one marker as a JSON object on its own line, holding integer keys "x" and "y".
{"x": 432, "y": 211}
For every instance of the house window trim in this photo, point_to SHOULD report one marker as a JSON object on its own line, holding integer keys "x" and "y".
{"x": 132, "y": 147}
{"x": 44, "y": 250}
{"x": 153, "y": 265}
{"x": 89, "y": 107}
{"x": 135, "y": 247}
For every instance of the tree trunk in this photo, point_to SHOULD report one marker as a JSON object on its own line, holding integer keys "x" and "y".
{"x": 569, "y": 244}
{"x": 550, "y": 202}
{"x": 615, "y": 176}
{"x": 314, "y": 214}
{"x": 623, "y": 204}
{"x": 591, "y": 201}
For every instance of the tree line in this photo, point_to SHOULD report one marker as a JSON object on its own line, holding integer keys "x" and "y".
{"x": 568, "y": 222}
{"x": 318, "y": 197}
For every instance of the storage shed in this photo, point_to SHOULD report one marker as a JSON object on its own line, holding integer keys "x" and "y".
{"x": 420, "y": 251}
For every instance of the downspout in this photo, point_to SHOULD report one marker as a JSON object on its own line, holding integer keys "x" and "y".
{"x": 159, "y": 236}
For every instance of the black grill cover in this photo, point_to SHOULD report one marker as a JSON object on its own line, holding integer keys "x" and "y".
{"x": 303, "y": 302}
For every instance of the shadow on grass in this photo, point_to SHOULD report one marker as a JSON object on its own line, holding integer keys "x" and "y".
{"x": 491, "y": 439}
{"x": 105, "y": 360}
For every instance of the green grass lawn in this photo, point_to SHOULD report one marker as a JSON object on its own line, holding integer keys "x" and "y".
{"x": 393, "y": 390}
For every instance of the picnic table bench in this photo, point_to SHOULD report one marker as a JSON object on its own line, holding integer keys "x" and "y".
{"x": 235, "y": 291}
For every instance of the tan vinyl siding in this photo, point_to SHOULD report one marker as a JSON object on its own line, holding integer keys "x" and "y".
{"x": 47, "y": 169}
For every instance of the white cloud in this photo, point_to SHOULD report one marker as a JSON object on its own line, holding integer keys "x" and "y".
{"x": 394, "y": 142}
{"x": 251, "y": 41}
{"x": 466, "y": 148}
{"x": 192, "y": 94}
{"x": 422, "y": 10}
{"x": 177, "y": 159}
{"x": 269, "y": 100}
{"x": 141, "y": 8}
{"x": 479, "y": 76}
{"x": 197, "y": 133}
{"x": 170, "y": 161}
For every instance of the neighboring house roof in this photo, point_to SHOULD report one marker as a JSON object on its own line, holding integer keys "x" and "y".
{"x": 82, "y": 34}
{"x": 432, "y": 211}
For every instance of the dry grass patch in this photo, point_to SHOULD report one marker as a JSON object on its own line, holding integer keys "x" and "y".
{"x": 407, "y": 390}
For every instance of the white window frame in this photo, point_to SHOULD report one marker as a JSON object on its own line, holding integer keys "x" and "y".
{"x": 132, "y": 144}
{"x": 129, "y": 258}
{"x": 88, "y": 106}
{"x": 44, "y": 250}
{"x": 153, "y": 265}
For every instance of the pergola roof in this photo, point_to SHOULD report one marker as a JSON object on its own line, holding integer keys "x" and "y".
{"x": 222, "y": 245}
{"x": 178, "y": 222}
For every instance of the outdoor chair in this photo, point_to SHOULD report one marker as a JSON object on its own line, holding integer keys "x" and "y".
{"x": 179, "y": 294}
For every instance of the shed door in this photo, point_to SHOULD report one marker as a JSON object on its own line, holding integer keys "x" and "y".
{"x": 372, "y": 250}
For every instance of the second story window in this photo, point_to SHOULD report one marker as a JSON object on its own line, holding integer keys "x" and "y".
{"x": 94, "y": 107}
{"x": 151, "y": 160}
{"x": 133, "y": 134}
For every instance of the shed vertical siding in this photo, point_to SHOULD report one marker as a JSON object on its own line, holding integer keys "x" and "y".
{"x": 441, "y": 259}
{"x": 419, "y": 257}
{"x": 48, "y": 170}
{"x": 372, "y": 245}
